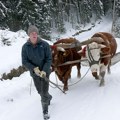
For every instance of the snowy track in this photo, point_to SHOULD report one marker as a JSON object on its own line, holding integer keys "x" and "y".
{"x": 84, "y": 101}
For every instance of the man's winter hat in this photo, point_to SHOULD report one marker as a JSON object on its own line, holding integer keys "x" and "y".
{"x": 33, "y": 28}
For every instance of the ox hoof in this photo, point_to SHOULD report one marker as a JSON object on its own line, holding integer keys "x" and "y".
{"x": 79, "y": 76}
{"x": 62, "y": 81}
{"x": 102, "y": 84}
{"x": 97, "y": 78}
{"x": 65, "y": 89}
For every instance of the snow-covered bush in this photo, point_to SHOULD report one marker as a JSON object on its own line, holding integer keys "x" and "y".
{"x": 8, "y": 38}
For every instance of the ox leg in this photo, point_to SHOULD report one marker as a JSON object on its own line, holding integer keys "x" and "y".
{"x": 95, "y": 75}
{"x": 78, "y": 68}
{"x": 102, "y": 75}
{"x": 66, "y": 77}
{"x": 65, "y": 85}
{"x": 95, "y": 68}
{"x": 102, "y": 81}
{"x": 70, "y": 77}
{"x": 60, "y": 77}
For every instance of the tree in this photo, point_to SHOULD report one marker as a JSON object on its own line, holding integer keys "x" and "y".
{"x": 116, "y": 23}
{"x": 97, "y": 9}
{"x": 58, "y": 15}
{"x": 12, "y": 18}
{"x": 85, "y": 12}
{"x": 3, "y": 11}
{"x": 29, "y": 13}
{"x": 43, "y": 18}
{"x": 107, "y": 6}
{"x": 50, "y": 15}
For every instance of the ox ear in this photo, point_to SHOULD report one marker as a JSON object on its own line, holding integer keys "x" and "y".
{"x": 102, "y": 46}
{"x": 61, "y": 49}
{"x": 80, "y": 51}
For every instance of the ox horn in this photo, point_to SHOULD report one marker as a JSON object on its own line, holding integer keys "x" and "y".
{"x": 98, "y": 40}
{"x": 60, "y": 49}
{"x": 64, "y": 46}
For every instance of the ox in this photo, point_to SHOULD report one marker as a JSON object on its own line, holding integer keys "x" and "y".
{"x": 61, "y": 56}
{"x": 99, "y": 50}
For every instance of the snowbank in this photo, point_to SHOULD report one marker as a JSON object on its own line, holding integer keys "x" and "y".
{"x": 11, "y": 55}
{"x": 83, "y": 101}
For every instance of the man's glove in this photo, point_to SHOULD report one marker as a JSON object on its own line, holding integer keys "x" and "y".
{"x": 42, "y": 74}
{"x": 37, "y": 71}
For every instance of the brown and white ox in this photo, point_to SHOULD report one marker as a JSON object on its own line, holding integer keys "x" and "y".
{"x": 61, "y": 56}
{"x": 99, "y": 50}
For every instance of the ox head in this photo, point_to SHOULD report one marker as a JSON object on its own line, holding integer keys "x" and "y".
{"x": 94, "y": 48}
{"x": 55, "y": 50}
{"x": 93, "y": 53}
{"x": 61, "y": 56}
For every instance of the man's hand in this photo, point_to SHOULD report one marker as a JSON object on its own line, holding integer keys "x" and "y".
{"x": 37, "y": 71}
{"x": 42, "y": 74}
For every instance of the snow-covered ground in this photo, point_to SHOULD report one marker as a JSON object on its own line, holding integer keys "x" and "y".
{"x": 100, "y": 26}
{"x": 84, "y": 101}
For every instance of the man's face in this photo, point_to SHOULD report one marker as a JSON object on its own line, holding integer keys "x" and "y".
{"x": 33, "y": 37}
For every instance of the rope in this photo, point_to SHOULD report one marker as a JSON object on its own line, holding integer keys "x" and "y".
{"x": 73, "y": 83}
{"x": 31, "y": 86}
{"x": 56, "y": 82}
{"x": 80, "y": 79}
{"x": 52, "y": 86}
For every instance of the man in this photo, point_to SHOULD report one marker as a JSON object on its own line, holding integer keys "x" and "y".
{"x": 36, "y": 57}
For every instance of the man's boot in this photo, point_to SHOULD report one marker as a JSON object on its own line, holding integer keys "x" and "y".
{"x": 46, "y": 116}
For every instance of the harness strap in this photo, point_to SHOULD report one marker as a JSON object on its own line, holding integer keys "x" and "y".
{"x": 92, "y": 61}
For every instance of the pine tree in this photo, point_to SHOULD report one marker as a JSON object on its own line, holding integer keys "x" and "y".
{"x": 44, "y": 18}
{"x": 57, "y": 15}
{"x": 107, "y": 6}
{"x": 52, "y": 14}
{"x": 29, "y": 13}
{"x": 116, "y": 24}
{"x": 97, "y": 9}
{"x": 3, "y": 11}
{"x": 12, "y": 19}
{"x": 85, "y": 12}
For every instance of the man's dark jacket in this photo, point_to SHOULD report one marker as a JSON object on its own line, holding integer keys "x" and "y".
{"x": 38, "y": 55}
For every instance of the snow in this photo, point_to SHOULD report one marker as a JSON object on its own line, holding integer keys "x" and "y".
{"x": 84, "y": 101}
{"x": 17, "y": 40}
{"x": 102, "y": 25}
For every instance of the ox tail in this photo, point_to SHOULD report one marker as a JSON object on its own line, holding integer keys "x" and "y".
{"x": 108, "y": 69}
